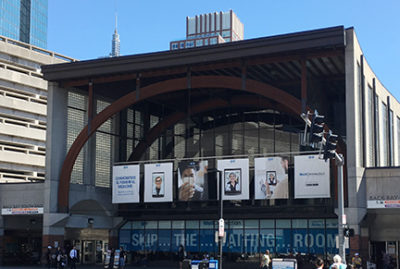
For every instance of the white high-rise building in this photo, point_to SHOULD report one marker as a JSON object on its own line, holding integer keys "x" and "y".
{"x": 23, "y": 105}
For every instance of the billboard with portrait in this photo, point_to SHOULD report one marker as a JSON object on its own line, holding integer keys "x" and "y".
{"x": 125, "y": 184}
{"x": 311, "y": 177}
{"x": 271, "y": 178}
{"x": 158, "y": 182}
{"x": 192, "y": 180}
{"x": 235, "y": 174}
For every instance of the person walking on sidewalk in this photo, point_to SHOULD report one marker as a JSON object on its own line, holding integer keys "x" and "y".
{"x": 73, "y": 254}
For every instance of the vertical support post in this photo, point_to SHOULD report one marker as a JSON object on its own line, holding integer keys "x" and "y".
{"x": 90, "y": 107}
{"x": 303, "y": 85}
{"x": 342, "y": 247}
{"x": 221, "y": 215}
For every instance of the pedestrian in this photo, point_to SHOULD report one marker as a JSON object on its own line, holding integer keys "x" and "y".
{"x": 319, "y": 263}
{"x": 265, "y": 260}
{"x": 181, "y": 255}
{"x": 122, "y": 257}
{"x": 48, "y": 256}
{"x": 356, "y": 261}
{"x": 73, "y": 254}
{"x": 337, "y": 263}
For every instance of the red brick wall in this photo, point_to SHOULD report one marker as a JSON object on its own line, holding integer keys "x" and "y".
{"x": 359, "y": 244}
{"x": 49, "y": 239}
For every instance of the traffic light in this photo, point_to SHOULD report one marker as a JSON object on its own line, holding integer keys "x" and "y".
{"x": 317, "y": 128}
{"x": 347, "y": 232}
{"x": 330, "y": 145}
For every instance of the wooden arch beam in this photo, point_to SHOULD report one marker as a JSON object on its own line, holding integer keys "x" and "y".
{"x": 233, "y": 83}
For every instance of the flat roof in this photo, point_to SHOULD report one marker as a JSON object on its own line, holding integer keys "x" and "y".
{"x": 326, "y": 38}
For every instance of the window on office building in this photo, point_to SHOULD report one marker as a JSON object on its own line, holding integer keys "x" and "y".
{"x": 370, "y": 133}
{"x": 189, "y": 44}
{"x": 104, "y": 148}
{"x": 77, "y": 119}
{"x": 199, "y": 43}
{"x": 174, "y": 46}
{"x": 213, "y": 41}
{"x": 384, "y": 135}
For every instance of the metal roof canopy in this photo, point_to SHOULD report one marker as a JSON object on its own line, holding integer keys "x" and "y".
{"x": 287, "y": 47}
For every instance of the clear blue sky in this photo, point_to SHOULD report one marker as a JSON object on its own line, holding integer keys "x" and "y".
{"x": 83, "y": 29}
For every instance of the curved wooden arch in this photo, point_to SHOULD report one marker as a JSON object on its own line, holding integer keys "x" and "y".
{"x": 233, "y": 83}
{"x": 237, "y": 101}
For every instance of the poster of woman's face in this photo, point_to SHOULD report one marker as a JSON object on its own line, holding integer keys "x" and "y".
{"x": 232, "y": 181}
{"x": 235, "y": 178}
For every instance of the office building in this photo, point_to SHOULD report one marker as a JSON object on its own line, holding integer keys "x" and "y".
{"x": 25, "y": 21}
{"x": 210, "y": 29}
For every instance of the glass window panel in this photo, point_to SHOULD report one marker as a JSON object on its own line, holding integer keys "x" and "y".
{"x": 138, "y": 224}
{"x": 316, "y": 223}
{"x": 192, "y": 240}
{"x": 316, "y": 241}
{"x": 235, "y": 224}
{"x": 331, "y": 223}
{"x": 251, "y": 240}
{"x": 251, "y": 224}
{"x": 151, "y": 239}
{"x": 267, "y": 223}
{"x": 151, "y": 224}
{"x": 267, "y": 240}
{"x": 283, "y": 223}
{"x": 125, "y": 239}
{"x": 207, "y": 240}
{"x": 331, "y": 241}
{"x": 127, "y": 226}
{"x": 164, "y": 240}
{"x": 137, "y": 240}
{"x": 178, "y": 224}
{"x": 234, "y": 241}
{"x": 192, "y": 224}
{"x": 206, "y": 224}
{"x": 299, "y": 223}
{"x": 178, "y": 238}
{"x": 164, "y": 224}
{"x": 283, "y": 240}
{"x": 300, "y": 244}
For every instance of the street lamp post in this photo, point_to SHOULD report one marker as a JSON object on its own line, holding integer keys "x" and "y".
{"x": 221, "y": 219}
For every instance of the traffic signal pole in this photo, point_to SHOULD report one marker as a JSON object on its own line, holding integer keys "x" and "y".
{"x": 342, "y": 248}
{"x": 329, "y": 143}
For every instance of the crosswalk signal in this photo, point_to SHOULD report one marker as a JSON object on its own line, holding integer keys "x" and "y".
{"x": 317, "y": 128}
{"x": 347, "y": 232}
{"x": 330, "y": 145}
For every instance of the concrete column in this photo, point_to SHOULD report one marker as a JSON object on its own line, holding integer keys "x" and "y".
{"x": 56, "y": 143}
{"x": 2, "y": 250}
{"x": 56, "y": 146}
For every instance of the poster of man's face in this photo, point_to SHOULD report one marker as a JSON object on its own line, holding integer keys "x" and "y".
{"x": 158, "y": 184}
{"x": 192, "y": 180}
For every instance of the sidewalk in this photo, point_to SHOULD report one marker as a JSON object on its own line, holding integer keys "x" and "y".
{"x": 81, "y": 267}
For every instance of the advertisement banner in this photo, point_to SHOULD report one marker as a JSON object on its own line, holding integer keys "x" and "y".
{"x": 125, "y": 184}
{"x": 192, "y": 180}
{"x": 271, "y": 178}
{"x": 311, "y": 177}
{"x": 158, "y": 182}
{"x": 235, "y": 174}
